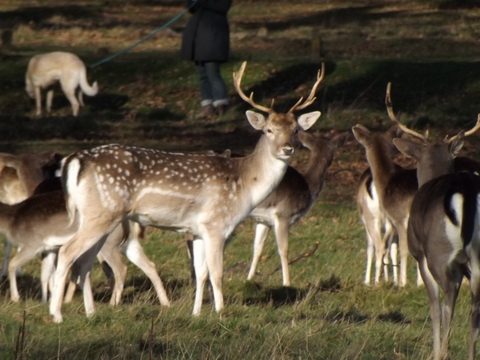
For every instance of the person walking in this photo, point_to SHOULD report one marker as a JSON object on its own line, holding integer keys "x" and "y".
{"x": 206, "y": 42}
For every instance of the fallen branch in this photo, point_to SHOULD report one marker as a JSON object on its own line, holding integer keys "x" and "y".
{"x": 305, "y": 255}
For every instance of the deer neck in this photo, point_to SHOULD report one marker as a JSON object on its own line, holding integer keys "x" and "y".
{"x": 7, "y": 214}
{"x": 261, "y": 172}
{"x": 314, "y": 172}
{"x": 381, "y": 164}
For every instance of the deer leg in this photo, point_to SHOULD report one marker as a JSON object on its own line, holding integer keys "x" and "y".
{"x": 47, "y": 270}
{"x": 434, "y": 303}
{"x": 113, "y": 257}
{"x": 379, "y": 242}
{"x": 23, "y": 255}
{"x": 69, "y": 91}
{"x": 201, "y": 273}
{"x": 6, "y": 257}
{"x": 49, "y": 100}
{"x": 475, "y": 315}
{"x": 214, "y": 245}
{"x": 261, "y": 232}
{"x": 86, "y": 286}
{"x": 370, "y": 251}
{"x": 451, "y": 286}
{"x": 80, "y": 97}
{"x": 372, "y": 231}
{"x": 419, "y": 278}
{"x": 136, "y": 255}
{"x": 394, "y": 257}
{"x": 72, "y": 286}
{"x": 403, "y": 247}
{"x": 281, "y": 235}
{"x": 83, "y": 240}
{"x": 387, "y": 240}
{"x": 38, "y": 101}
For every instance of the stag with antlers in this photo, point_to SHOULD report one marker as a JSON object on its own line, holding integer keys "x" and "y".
{"x": 203, "y": 194}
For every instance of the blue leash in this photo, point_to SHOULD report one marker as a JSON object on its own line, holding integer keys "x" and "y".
{"x": 146, "y": 37}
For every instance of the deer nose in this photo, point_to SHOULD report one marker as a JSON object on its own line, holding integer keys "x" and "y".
{"x": 288, "y": 150}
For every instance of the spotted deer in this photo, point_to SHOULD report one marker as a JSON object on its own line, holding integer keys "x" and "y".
{"x": 292, "y": 199}
{"x": 444, "y": 231}
{"x": 203, "y": 194}
{"x": 379, "y": 231}
{"x": 19, "y": 176}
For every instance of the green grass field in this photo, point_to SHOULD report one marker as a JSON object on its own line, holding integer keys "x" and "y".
{"x": 428, "y": 49}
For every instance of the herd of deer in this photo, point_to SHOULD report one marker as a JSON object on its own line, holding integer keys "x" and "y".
{"x": 108, "y": 195}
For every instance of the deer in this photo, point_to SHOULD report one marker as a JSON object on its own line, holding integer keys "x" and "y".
{"x": 292, "y": 199}
{"x": 443, "y": 230}
{"x": 205, "y": 195}
{"x": 40, "y": 224}
{"x": 394, "y": 185}
{"x": 19, "y": 176}
{"x": 379, "y": 231}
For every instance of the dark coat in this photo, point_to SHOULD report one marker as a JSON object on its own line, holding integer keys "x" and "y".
{"x": 207, "y": 35}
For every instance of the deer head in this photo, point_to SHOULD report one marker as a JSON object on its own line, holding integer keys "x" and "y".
{"x": 273, "y": 126}
{"x": 434, "y": 157}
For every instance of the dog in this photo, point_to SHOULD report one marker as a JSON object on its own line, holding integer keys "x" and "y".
{"x": 46, "y": 69}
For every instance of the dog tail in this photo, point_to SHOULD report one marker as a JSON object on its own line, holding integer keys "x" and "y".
{"x": 86, "y": 88}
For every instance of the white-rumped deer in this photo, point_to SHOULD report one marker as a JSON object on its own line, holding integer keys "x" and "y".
{"x": 444, "y": 231}
{"x": 206, "y": 195}
{"x": 292, "y": 199}
{"x": 19, "y": 176}
{"x": 379, "y": 231}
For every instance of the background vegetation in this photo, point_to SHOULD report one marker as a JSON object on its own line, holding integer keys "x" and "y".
{"x": 428, "y": 49}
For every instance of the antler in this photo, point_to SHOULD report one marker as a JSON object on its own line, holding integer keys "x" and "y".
{"x": 472, "y": 131}
{"x": 237, "y": 80}
{"x": 300, "y": 104}
{"x": 391, "y": 115}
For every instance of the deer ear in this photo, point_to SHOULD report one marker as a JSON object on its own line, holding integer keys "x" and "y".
{"x": 455, "y": 146}
{"x": 409, "y": 148}
{"x": 307, "y": 120}
{"x": 255, "y": 119}
{"x": 361, "y": 133}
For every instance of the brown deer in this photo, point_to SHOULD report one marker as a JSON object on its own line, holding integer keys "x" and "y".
{"x": 395, "y": 186}
{"x": 19, "y": 176}
{"x": 379, "y": 231}
{"x": 292, "y": 199}
{"x": 443, "y": 231}
{"x": 203, "y": 194}
{"x": 41, "y": 224}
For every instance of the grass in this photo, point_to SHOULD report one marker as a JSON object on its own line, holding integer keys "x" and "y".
{"x": 428, "y": 49}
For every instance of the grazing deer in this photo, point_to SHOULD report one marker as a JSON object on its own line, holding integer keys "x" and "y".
{"x": 41, "y": 224}
{"x": 292, "y": 199}
{"x": 203, "y": 194}
{"x": 68, "y": 69}
{"x": 379, "y": 231}
{"x": 19, "y": 176}
{"x": 444, "y": 232}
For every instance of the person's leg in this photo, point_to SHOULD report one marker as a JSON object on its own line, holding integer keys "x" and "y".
{"x": 205, "y": 90}
{"x": 218, "y": 87}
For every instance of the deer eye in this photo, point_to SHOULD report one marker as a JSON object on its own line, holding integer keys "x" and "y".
{"x": 269, "y": 131}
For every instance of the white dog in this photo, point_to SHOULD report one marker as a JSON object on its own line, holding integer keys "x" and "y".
{"x": 67, "y": 68}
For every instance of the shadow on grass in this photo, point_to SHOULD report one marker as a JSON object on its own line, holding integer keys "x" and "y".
{"x": 141, "y": 287}
{"x": 28, "y": 287}
{"x": 255, "y": 294}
